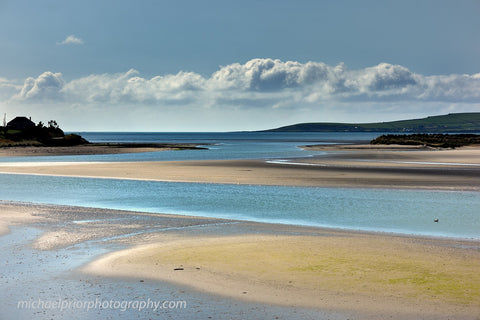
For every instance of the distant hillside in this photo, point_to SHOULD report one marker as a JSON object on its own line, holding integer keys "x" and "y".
{"x": 453, "y": 122}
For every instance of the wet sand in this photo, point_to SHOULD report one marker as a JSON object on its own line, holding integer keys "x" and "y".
{"x": 40, "y": 263}
{"x": 313, "y": 272}
{"x": 15, "y": 215}
{"x": 375, "y": 155}
{"x": 367, "y": 274}
{"x": 92, "y": 149}
{"x": 362, "y": 167}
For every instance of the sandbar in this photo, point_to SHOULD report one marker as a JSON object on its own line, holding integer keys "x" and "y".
{"x": 377, "y": 275}
{"x": 92, "y": 149}
{"x": 367, "y": 275}
{"x": 457, "y": 169}
{"x": 359, "y": 274}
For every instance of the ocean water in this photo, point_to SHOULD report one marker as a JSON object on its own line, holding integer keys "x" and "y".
{"x": 386, "y": 210}
{"x": 233, "y": 145}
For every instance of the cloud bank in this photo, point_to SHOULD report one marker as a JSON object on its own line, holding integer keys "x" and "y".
{"x": 264, "y": 87}
{"x": 264, "y": 79}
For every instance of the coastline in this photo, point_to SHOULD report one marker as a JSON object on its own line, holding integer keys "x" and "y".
{"x": 457, "y": 169}
{"x": 365, "y": 274}
{"x": 93, "y": 149}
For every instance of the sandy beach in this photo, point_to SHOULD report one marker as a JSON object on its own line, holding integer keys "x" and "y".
{"x": 239, "y": 160}
{"x": 355, "y": 274}
{"x": 15, "y": 215}
{"x": 90, "y": 149}
{"x": 335, "y": 274}
{"x": 361, "y": 167}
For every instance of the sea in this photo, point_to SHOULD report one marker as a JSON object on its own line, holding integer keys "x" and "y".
{"x": 367, "y": 209}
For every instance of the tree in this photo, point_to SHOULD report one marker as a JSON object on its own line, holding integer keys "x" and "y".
{"x": 52, "y": 124}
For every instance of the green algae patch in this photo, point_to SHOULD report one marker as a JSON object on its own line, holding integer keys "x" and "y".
{"x": 366, "y": 265}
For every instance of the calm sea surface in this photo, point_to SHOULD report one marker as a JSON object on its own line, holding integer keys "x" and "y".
{"x": 221, "y": 145}
{"x": 399, "y": 211}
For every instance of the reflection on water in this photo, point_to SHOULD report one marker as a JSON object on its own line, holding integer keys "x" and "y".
{"x": 364, "y": 209}
{"x": 221, "y": 145}
{"x": 401, "y": 211}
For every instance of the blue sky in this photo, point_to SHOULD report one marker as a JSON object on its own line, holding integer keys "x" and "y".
{"x": 236, "y": 65}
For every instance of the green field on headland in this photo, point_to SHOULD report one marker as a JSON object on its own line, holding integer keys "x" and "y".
{"x": 453, "y": 122}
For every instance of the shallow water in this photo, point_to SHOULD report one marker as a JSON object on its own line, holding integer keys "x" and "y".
{"x": 29, "y": 274}
{"x": 386, "y": 210}
{"x": 410, "y": 212}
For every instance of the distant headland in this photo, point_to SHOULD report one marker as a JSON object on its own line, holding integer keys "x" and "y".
{"x": 22, "y": 131}
{"x": 450, "y": 123}
{"x": 22, "y": 137}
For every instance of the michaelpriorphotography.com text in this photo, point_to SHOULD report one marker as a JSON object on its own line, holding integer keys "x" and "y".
{"x": 122, "y": 305}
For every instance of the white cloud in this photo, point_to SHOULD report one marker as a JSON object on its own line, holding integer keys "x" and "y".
{"x": 71, "y": 39}
{"x": 269, "y": 75}
{"x": 46, "y": 86}
{"x": 259, "y": 83}
{"x": 130, "y": 87}
{"x": 452, "y": 88}
{"x": 8, "y": 88}
{"x": 385, "y": 77}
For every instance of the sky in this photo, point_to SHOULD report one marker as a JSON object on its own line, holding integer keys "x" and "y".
{"x": 221, "y": 65}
